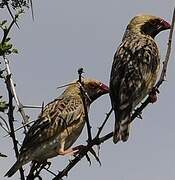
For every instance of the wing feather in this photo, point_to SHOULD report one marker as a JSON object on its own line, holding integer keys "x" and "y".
{"x": 134, "y": 69}
{"x": 55, "y": 117}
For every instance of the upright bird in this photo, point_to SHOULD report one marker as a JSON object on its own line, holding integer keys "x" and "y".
{"x": 59, "y": 124}
{"x": 134, "y": 70}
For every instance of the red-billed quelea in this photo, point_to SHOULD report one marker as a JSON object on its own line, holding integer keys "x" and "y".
{"x": 59, "y": 125}
{"x": 134, "y": 69}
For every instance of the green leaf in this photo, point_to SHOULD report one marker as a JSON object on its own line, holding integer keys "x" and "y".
{"x": 15, "y": 51}
{"x": 1, "y": 76}
{"x": 3, "y": 22}
{"x": 7, "y": 39}
{"x": 7, "y": 47}
{"x": 3, "y": 106}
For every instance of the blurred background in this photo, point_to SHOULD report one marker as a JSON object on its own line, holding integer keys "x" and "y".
{"x": 67, "y": 35}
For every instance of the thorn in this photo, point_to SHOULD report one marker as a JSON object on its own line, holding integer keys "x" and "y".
{"x": 88, "y": 159}
{"x": 2, "y": 155}
{"x": 31, "y": 5}
{"x": 96, "y": 157}
{"x": 98, "y": 148}
{"x": 66, "y": 175}
{"x": 42, "y": 110}
{"x": 70, "y": 160}
{"x": 139, "y": 116}
{"x": 157, "y": 91}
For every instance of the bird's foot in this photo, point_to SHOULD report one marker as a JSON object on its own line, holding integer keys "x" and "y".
{"x": 78, "y": 149}
{"x": 153, "y": 95}
{"x": 71, "y": 151}
{"x": 82, "y": 148}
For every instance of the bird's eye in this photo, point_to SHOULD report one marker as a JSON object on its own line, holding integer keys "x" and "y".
{"x": 155, "y": 22}
{"x": 93, "y": 86}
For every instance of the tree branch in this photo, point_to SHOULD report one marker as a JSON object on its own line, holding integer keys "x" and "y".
{"x": 83, "y": 95}
{"x": 11, "y": 120}
{"x": 98, "y": 140}
{"x": 165, "y": 62}
{"x": 13, "y": 91}
{"x": 11, "y": 14}
{"x": 6, "y": 130}
{"x": 6, "y": 62}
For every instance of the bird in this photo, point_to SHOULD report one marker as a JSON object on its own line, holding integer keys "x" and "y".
{"x": 134, "y": 69}
{"x": 59, "y": 124}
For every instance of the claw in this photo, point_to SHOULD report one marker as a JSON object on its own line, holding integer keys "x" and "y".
{"x": 77, "y": 150}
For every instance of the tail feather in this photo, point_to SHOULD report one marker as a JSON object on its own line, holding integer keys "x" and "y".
{"x": 116, "y": 134}
{"x": 125, "y": 129}
{"x": 121, "y": 128}
{"x": 13, "y": 169}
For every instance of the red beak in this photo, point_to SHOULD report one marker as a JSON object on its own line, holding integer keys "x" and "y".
{"x": 165, "y": 24}
{"x": 104, "y": 88}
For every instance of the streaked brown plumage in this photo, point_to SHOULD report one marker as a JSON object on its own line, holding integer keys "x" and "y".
{"x": 59, "y": 125}
{"x": 134, "y": 69}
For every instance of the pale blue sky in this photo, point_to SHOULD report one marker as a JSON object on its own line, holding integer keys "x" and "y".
{"x": 67, "y": 35}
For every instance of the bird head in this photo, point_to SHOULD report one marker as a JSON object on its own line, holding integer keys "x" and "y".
{"x": 148, "y": 25}
{"x": 94, "y": 88}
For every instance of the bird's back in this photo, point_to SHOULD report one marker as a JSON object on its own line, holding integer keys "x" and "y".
{"x": 134, "y": 70}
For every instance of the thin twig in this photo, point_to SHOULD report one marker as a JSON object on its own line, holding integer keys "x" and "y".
{"x": 104, "y": 122}
{"x": 11, "y": 120}
{"x": 80, "y": 71}
{"x": 165, "y": 62}
{"x": 65, "y": 85}
{"x": 4, "y": 122}
{"x": 4, "y": 128}
{"x": 31, "y": 6}
{"x": 27, "y": 124}
{"x": 11, "y": 14}
{"x": 32, "y": 107}
{"x": 36, "y": 168}
{"x": 6, "y": 31}
{"x": 13, "y": 91}
{"x": 20, "y": 106}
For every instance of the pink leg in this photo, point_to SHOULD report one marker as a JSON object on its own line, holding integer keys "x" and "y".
{"x": 153, "y": 95}
{"x": 70, "y": 151}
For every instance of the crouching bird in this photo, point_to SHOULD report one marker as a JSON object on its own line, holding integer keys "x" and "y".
{"x": 59, "y": 124}
{"x": 134, "y": 70}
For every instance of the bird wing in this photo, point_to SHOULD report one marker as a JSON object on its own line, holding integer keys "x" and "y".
{"x": 134, "y": 71}
{"x": 55, "y": 117}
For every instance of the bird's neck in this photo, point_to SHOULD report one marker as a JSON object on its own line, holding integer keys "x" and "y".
{"x": 136, "y": 32}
